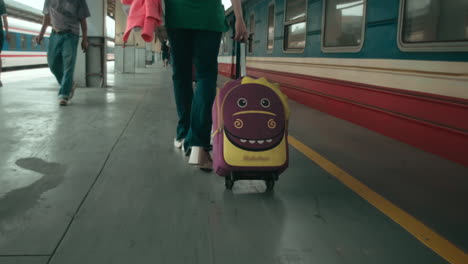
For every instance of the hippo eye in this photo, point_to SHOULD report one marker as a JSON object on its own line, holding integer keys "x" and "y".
{"x": 265, "y": 103}
{"x": 242, "y": 102}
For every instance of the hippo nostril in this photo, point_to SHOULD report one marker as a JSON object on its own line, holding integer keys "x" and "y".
{"x": 271, "y": 124}
{"x": 238, "y": 123}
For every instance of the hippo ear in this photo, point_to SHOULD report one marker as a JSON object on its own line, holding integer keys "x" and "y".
{"x": 261, "y": 81}
{"x": 248, "y": 79}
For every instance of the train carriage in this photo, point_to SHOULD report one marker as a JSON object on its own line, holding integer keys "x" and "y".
{"x": 20, "y": 50}
{"x": 396, "y": 67}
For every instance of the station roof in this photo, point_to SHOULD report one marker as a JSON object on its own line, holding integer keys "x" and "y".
{"x": 25, "y": 12}
{"x": 22, "y": 11}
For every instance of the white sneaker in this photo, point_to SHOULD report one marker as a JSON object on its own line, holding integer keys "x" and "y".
{"x": 178, "y": 143}
{"x": 201, "y": 158}
{"x": 63, "y": 102}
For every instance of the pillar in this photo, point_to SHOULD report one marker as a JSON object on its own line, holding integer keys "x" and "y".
{"x": 91, "y": 67}
{"x": 140, "y": 51}
{"x": 149, "y": 53}
{"x": 157, "y": 51}
{"x": 124, "y": 56}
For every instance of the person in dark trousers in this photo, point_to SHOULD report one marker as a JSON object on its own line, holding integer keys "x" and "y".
{"x": 3, "y": 34}
{"x": 165, "y": 52}
{"x": 194, "y": 29}
{"x": 65, "y": 17}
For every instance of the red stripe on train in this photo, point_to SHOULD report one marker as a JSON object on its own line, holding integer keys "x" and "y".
{"x": 22, "y": 56}
{"x": 450, "y": 144}
{"x": 27, "y": 30}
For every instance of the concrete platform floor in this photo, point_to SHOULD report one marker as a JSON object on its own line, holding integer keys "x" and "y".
{"x": 100, "y": 182}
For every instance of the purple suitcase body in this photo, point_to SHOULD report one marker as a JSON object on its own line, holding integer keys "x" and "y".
{"x": 232, "y": 116}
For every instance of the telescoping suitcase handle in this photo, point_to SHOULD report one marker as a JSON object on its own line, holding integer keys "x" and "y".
{"x": 242, "y": 60}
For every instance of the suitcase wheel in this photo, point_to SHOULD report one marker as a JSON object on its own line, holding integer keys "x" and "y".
{"x": 269, "y": 180}
{"x": 229, "y": 184}
{"x": 270, "y": 184}
{"x": 230, "y": 179}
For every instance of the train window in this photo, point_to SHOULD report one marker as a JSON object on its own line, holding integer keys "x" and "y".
{"x": 43, "y": 44}
{"x": 12, "y": 41}
{"x": 295, "y": 9}
{"x": 271, "y": 28}
{"x": 23, "y": 42}
{"x": 295, "y": 36}
{"x": 433, "y": 25}
{"x": 295, "y": 25}
{"x": 33, "y": 44}
{"x": 252, "y": 32}
{"x": 343, "y": 25}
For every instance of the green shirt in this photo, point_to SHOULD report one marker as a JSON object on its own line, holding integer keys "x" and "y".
{"x": 196, "y": 14}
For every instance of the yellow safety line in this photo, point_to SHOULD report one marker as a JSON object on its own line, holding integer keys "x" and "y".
{"x": 431, "y": 239}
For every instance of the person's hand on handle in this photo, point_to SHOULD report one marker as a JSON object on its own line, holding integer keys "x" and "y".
{"x": 241, "y": 31}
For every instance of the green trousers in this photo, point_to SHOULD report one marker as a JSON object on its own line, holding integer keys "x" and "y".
{"x": 61, "y": 57}
{"x": 199, "y": 48}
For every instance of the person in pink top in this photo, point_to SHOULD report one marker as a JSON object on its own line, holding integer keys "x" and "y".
{"x": 145, "y": 15}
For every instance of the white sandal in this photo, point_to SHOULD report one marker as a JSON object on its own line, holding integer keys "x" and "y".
{"x": 200, "y": 157}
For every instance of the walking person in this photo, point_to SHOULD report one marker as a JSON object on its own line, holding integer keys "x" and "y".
{"x": 165, "y": 52}
{"x": 65, "y": 17}
{"x": 3, "y": 33}
{"x": 194, "y": 29}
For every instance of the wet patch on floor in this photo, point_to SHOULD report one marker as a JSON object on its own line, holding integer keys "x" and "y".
{"x": 20, "y": 200}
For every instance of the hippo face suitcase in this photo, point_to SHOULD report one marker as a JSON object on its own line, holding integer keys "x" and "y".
{"x": 250, "y": 124}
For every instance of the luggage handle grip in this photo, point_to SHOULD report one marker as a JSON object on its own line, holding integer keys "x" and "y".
{"x": 242, "y": 60}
